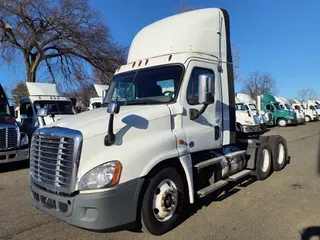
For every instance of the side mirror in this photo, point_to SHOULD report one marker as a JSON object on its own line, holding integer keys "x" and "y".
{"x": 12, "y": 111}
{"x": 206, "y": 89}
{"x": 113, "y": 108}
{"x": 104, "y": 93}
{"x": 42, "y": 112}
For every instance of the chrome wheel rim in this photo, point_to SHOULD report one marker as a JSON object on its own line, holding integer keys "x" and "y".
{"x": 165, "y": 200}
{"x": 265, "y": 163}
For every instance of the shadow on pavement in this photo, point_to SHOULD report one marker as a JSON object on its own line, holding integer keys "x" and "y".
{"x": 13, "y": 166}
{"x": 310, "y": 232}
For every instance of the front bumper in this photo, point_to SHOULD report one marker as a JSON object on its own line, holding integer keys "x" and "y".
{"x": 292, "y": 121}
{"x": 94, "y": 211}
{"x": 14, "y": 155}
{"x": 301, "y": 120}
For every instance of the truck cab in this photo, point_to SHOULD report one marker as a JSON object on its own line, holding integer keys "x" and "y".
{"x": 96, "y": 102}
{"x": 309, "y": 114}
{"x": 285, "y": 105}
{"x": 280, "y": 117}
{"x": 265, "y": 118}
{"x": 14, "y": 144}
{"x": 43, "y": 95}
{"x": 164, "y": 138}
{"x": 247, "y": 122}
{"x": 313, "y": 107}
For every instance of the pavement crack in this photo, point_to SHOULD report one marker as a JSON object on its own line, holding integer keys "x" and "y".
{"x": 305, "y": 137}
{"x": 31, "y": 228}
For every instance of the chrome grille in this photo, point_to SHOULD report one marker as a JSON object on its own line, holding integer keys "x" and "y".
{"x": 9, "y": 137}
{"x": 54, "y": 158}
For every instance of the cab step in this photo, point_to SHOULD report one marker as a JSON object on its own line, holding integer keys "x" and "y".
{"x": 213, "y": 187}
{"x": 209, "y": 162}
{"x": 239, "y": 175}
{"x": 235, "y": 154}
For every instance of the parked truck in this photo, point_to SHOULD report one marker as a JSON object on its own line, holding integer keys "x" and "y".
{"x": 96, "y": 102}
{"x": 285, "y": 105}
{"x": 310, "y": 115}
{"x": 247, "y": 122}
{"x": 265, "y": 118}
{"x": 314, "y": 107}
{"x": 151, "y": 152}
{"x": 14, "y": 144}
{"x": 42, "y": 95}
{"x": 280, "y": 117}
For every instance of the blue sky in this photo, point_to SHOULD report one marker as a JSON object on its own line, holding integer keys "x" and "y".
{"x": 280, "y": 37}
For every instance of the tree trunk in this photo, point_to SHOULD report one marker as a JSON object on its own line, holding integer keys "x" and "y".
{"x": 31, "y": 76}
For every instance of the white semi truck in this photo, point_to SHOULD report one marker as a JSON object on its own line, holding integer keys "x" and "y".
{"x": 251, "y": 105}
{"x": 310, "y": 115}
{"x": 313, "y": 107}
{"x": 285, "y": 105}
{"x": 151, "y": 152}
{"x": 96, "y": 102}
{"x": 42, "y": 95}
{"x": 247, "y": 122}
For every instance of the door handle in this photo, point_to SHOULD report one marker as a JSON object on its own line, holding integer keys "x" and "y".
{"x": 216, "y": 132}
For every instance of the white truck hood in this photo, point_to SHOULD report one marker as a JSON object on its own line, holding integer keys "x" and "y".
{"x": 95, "y": 122}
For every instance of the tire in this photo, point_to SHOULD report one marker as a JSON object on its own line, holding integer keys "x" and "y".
{"x": 152, "y": 219}
{"x": 279, "y": 151}
{"x": 263, "y": 161}
{"x": 308, "y": 118}
{"x": 282, "y": 122}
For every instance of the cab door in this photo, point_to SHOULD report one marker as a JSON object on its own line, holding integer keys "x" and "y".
{"x": 204, "y": 132}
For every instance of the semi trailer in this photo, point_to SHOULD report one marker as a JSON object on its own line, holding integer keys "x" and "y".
{"x": 182, "y": 142}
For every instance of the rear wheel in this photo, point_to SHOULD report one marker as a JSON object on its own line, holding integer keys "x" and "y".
{"x": 263, "y": 161}
{"x": 279, "y": 151}
{"x": 163, "y": 202}
{"x": 282, "y": 122}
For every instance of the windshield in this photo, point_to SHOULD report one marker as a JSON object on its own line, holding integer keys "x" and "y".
{"x": 253, "y": 106}
{"x": 4, "y": 109}
{"x": 288, "y": 106}
{"x": 240, "y": 106}
{"x": 282, "y": 107}
{"x": 317, "y": 106}
{"x": 277, "y": 106}
{"x": 55, "y": 107}
{"x": 303, "y": 107}
{"x": 146, "y": 86}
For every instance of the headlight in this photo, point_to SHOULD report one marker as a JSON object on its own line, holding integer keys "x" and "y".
{"x": 105, "y": 175}
{"x": 24, "y": 139}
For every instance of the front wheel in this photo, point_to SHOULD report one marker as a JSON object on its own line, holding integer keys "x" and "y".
{"x": 308, "y": 119}
{"x": 282, "y": 122}
{"x": 163, "y": 202}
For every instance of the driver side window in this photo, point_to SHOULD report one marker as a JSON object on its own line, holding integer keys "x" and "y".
{"x": 193, "y": 91}
{"x": 269, "y": 107}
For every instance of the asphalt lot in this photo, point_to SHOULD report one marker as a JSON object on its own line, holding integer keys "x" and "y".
{"x": 281, "y": 207}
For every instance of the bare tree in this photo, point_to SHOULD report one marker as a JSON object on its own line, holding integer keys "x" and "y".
{"x": 305, "y": 94}
{"x": 62, "y": 37}
{"x": 259, "y": 83}
{"x": 19, "y": 92}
